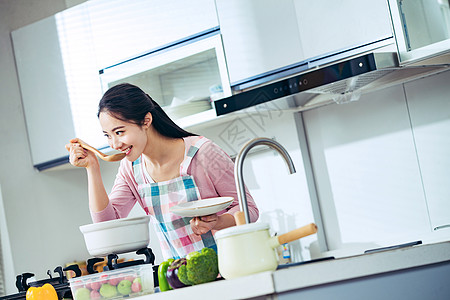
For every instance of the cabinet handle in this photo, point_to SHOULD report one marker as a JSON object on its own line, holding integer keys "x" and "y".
{"x": 441, "y": 227}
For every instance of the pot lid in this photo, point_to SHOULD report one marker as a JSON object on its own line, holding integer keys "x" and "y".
{"x": 241, "y": 229}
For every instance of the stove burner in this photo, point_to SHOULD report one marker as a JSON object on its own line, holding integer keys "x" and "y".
{"x": 60, "y": 283}
{"x": 114, "y": 265}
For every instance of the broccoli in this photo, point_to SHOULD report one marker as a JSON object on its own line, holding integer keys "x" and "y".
{"x": 202, "y": 266}
{"x": 196, "y": 268}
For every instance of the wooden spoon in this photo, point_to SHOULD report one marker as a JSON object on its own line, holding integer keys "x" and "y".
{"x": 112, "y": 157}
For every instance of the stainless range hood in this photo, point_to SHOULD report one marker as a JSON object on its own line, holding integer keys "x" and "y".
{"x": 339, "y": 81}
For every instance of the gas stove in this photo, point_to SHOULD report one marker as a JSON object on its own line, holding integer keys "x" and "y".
{"x": 61, "y": 283}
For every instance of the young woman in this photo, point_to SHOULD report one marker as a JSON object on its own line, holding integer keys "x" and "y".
{"x": 164, "y": 165}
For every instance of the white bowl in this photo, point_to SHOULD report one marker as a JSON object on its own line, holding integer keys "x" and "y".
{"x": 116, "y": 236}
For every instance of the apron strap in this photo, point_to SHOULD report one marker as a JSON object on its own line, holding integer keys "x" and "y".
{"x": 138, "y": 166}
{"x": 190, "y": 153}
{"x": 139, "y": 174}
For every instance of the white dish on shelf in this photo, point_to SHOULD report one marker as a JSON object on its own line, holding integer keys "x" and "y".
{"x": 202, "y": 207}
{"x": 179, "y": 108}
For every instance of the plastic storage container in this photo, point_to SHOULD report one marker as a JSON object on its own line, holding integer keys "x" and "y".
{"x": 116, "y": 284}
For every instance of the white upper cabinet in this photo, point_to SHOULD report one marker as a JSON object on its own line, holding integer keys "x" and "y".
{"x": 258, "y": 36}
{"x": 184, "y": 79}
{"x": 43, "y": 87}
{"x": 123, "y": 29}
{"x": 422, "y": 30}
{"x": 263, "y": 37}
{"x": 331, "y": 26}
{"x": 53, "y": 74}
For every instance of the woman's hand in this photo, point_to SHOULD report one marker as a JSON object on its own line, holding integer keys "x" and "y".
{"x": 80, "y": 157}
{"x": 201, "y": 225}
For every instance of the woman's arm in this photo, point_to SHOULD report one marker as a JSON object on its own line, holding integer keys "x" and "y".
{"x": 104, "y": 207}
{"x": 98, "y": 198}
{"x": 80, "y": 157}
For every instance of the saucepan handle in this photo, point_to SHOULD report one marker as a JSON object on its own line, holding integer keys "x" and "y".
{"x": 297, "y": 233}
{"x": 239, "y": 217}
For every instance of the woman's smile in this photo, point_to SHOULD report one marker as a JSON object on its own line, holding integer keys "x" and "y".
{"x": 127, "y": 150}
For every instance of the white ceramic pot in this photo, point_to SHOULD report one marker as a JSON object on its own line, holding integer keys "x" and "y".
{"x": 249, "y": 248}
{"x": 116, "y": 236}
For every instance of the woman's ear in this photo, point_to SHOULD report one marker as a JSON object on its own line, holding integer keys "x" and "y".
{"x": 148, "y": 119}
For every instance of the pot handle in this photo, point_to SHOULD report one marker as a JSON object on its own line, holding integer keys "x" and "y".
{"x": 297, "y": 233}
{"x": 239, "y": 218}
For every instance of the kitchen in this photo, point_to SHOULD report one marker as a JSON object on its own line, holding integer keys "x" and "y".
{"x": 371, "y": 137}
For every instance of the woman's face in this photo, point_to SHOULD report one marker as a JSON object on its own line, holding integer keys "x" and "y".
{"x": 123, "y": 136}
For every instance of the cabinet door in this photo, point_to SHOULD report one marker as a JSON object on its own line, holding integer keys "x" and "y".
{"x": 258, "y": 36}
{"x": 123, "y": 29}
{"x": 43, "y": 86}
{"x": 429, "y": 107}
{"x": 331, "y": 26}
{"x": 422, "y": 30}
{"x": 59, "y": 84}
{"x": 261, "y": 37}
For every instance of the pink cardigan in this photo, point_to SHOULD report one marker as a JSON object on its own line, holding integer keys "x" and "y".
{"x": 211, "y": 168}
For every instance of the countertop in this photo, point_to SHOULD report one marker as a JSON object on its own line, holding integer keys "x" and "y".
{"x": 314, "y": 274}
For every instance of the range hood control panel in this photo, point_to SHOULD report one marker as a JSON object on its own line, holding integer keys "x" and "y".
{"x": 296, "y": 84}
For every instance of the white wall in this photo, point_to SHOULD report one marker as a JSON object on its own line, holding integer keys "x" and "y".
{"x": 380, "y": 165}
{"x": 429, "y": 107}
{"x": 6, "y": 265}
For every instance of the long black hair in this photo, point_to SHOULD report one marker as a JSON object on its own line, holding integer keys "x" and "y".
{"x": 129, "y": 103}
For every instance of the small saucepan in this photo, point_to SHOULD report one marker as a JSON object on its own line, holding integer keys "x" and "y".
{"x": 249, "y": 248}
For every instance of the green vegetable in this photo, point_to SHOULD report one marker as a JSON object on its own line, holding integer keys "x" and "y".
{"x": 162, "y": 271}
{"x": 202, "y": 266}
{"x": 176, "y": 272}
{"x": 198, "y": 267}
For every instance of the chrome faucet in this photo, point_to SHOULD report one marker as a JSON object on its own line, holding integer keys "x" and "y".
{"x": 239, "y": 163}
